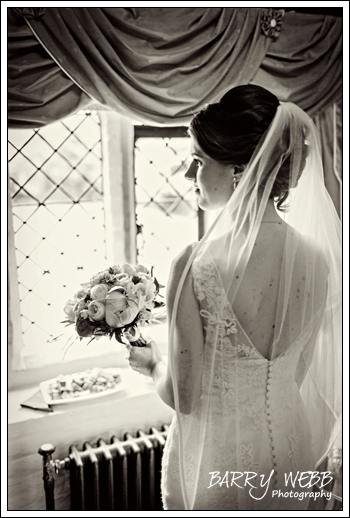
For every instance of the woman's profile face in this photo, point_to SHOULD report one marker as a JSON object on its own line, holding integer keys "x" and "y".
{"x": 213, "y": 181}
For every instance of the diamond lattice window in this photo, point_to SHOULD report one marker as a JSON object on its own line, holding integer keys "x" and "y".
{"x": 56, "y": 187}
{"x": 166, "y": 208}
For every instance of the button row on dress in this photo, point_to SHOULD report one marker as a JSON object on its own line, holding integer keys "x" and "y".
{"x": 269, "y": 418}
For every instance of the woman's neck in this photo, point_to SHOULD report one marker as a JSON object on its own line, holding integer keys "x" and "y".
{"x": 270, "y": 215}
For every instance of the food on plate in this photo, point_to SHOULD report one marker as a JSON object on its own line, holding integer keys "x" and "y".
{"x": 83, "y": 383}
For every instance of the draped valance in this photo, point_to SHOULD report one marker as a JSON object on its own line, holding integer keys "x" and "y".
{"x": 159, "y": 65}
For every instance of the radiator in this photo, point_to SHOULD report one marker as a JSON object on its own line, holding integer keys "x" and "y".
{"x": 121, "y": 475}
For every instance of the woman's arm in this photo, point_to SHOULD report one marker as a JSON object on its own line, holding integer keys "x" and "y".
{"x": 187, "y": 345}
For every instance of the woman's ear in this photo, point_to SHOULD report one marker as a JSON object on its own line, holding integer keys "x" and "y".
{"x": 239, "y": 168}
{"x": 237, "y": 172}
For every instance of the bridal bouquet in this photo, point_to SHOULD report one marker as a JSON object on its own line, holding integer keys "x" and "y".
{"x": 115, "y": 302}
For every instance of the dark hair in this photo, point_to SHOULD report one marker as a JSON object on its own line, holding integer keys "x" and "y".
{"x": 229, "y": 130}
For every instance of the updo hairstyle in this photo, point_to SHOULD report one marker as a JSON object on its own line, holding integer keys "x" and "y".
{"x": 228, "y": 131}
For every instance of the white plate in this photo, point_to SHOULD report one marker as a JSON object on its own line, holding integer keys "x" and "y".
{"x": 44, "y": 386}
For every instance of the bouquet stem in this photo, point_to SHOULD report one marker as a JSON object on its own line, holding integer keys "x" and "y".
{"x": 135, "y": 338}
{"x": 140, "y": 342}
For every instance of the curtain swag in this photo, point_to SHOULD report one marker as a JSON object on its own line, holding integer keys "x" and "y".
{"x": 60, "y": 59}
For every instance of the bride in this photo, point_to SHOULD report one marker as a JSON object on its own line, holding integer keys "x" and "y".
{"x": 254, "y": 316}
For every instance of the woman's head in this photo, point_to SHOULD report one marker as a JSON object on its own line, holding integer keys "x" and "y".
{"x": 229, "y": 131}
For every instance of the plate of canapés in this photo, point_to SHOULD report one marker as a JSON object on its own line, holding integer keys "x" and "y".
{"x": 89, "y": 384}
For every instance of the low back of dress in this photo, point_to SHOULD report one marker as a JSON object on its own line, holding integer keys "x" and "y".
{"x": 271, "y": 314}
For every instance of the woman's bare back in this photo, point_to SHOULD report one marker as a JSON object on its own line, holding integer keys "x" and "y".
{"x": 259, "y": 304}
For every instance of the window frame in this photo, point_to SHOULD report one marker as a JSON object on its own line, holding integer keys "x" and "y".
{"x": 118, "y": 137}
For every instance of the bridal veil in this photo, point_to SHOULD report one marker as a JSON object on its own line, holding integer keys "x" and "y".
{"x": 295, "y": 289}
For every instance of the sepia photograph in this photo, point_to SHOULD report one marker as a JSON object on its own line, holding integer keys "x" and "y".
{"x": 174, "y": 292}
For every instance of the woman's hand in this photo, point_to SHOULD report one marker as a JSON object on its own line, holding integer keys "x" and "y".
{"x": 144, "y": 359}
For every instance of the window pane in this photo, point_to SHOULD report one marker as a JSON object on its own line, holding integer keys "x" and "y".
{"x": 58, "y": 214}
{"x": 166, "y": 208}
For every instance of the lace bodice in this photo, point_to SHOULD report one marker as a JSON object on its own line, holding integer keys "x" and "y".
{"x": 235, "y": 351}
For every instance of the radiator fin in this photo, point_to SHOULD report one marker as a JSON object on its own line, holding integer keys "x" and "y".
{"x": 109, "y": 482}
{"x": 123, "y": 475}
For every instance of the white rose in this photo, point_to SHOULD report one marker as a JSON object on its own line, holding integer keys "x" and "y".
{"x": 140, "y": 289}
{"x": 129, "y": 269}
{"x": 121, "y": 278}
{"x": 130, "y": 288}
{"x": 80, "y": 294}
{"x": 99, "y": 292}
{"x": 96, "y": 310}
{"x": 120, "y": 310}
{"x": 79, "y": 306}
{"x": 116, "y": 302}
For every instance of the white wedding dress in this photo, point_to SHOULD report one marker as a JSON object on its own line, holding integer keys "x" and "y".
{"x": 256, "y": 421}
{"x": 269, "y": 367}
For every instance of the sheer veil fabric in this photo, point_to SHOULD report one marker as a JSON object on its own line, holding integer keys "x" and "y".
{"x": 269, "y": 296}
